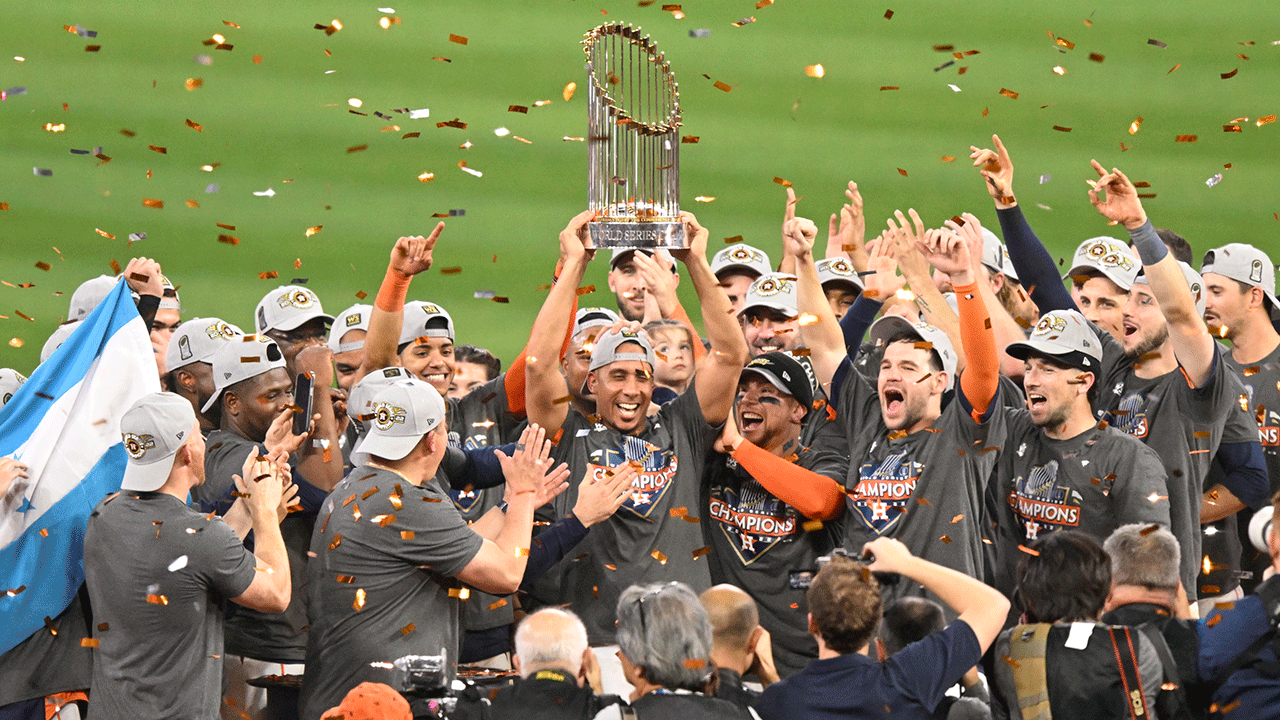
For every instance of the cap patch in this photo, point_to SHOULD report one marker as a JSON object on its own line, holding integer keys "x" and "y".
{"x": 262, "y": 319}
{"x": 138, "y": 445}
{"x": 772, "y": 286}
{"x": 220, "y": 329}
{"x": 431, "y": 309}
{"x": 840, "y": 266}
{"x": 1050, "y": 323}
{"x": 1255, "y": 271}
{"x": 353, "y": 319}
{"x": 184, "y": 347}
{"x": 300, "y": 299}
{"x": 386, "y": 415}
{"x": 742, "y": 254}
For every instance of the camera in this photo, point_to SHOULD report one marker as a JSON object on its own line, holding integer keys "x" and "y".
{"x": 1260, "y": 528}
{"x": 423, "y": 676}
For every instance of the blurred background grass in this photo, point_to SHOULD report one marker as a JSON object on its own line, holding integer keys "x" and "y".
{"x": 284, "y": 124}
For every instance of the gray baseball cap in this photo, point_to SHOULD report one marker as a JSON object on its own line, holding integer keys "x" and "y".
{"x": 1194, "y": 281}
{"x": 169, "y": 298}
{"x": 593, "y": 317}
{"x": 889, "y": 325}
{"x": 197, "y": 340}
{"x": 992, "y": 251}
{"x": 741, "y": 256}
{"x": 153, "y": 431}
{"x": 360, "y": 401}
{"x": 605, "y": 350}
{"x": 59, "y": 336}
{"x": 287, "y": 307}
{"x": 776, "y": 291}
{"x": 838, "y": 269}
{"x": 1246, "y": 264}
{"x": 402, "y": 413}
{"x": 1108, "y": 257}
{"x": 10, "y": 381}
{"x": 1065, "y": 336}
{"x": 1009, "y": 270}
{"x": 620, "y": 254}
{"x": 355, "y": 317}
{"x": 246, "y": 357}
{"x": 425, "y": 319}
{"x": 88, "y": 295}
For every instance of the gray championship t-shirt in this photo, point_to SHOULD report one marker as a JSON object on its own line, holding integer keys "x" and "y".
{"x": 924, "y": 489}
{"x": 656, "y": 535}
{"x": 1262, "y": 398}
{"x": 1094, "y": 482}
{"x": 382, "y": 584}
{"x": 157, "y": 573}
{"x": 273, "y": 637}
{"x": 1181, "y": 423}
{"x": 1220, "y": 540}
{"x": 760, "y": 544}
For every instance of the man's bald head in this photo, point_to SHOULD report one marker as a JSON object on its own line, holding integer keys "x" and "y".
{"x": 550, "y": 639}
{"x": 734, "y": 617}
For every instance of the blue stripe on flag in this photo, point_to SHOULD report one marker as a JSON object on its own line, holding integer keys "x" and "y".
{"x": 51, "y": 579}
{"x": 64, "y": 369}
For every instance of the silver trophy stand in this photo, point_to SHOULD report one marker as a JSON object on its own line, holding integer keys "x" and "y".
{"x": 633, "y": 142}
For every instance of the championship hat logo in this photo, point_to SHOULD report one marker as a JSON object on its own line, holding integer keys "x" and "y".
{"x": 840, "y": 266}
{"x": 300, "y": 299}
{"x": 352, "y": 319}
{"x": 220, "y": 330}
{"x": 742, "y": 254}
{"x": 772, "y": 286}
{"x": 138, "y": 445}
{"x": 386, "y": 415}
{"x": 1104, "y": 255}
{"x": 1050, "y": 323}
{"x": 431, "y": 309}
{"x": 1255, "y": 271}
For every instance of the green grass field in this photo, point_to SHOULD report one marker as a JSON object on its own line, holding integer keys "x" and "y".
{"x": 284, "y": 124}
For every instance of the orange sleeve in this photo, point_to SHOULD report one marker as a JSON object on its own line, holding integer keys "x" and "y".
{"x": 682, "y": 316}
{"x": 981, "y": 375}
{"x": 513, "y": 381}
{"x": 815, "y": 496}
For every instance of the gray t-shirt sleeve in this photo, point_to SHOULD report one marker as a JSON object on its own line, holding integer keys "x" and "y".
{"x": 440, "y": 539}
{"x": 1141, "y": 495}
{"x": 224, "y": 563}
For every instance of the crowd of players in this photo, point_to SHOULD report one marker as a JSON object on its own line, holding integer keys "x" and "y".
{"x": 877, "y": 468}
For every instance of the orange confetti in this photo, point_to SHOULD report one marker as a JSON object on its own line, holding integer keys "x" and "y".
{"x": 701, "y": 551}
{"x": 457, "y": 39}
{"x": 659, "y": 556}
{"x": 1185, "y": 138}
{"x": 460, "y": 593}
{"x": 358, "y": 605}
{"x": 229, "y": 239}
{"x": 1009, "y": 93}
{"x": 1265, "y": 120}
{"x": 194, "y": 125}
{"x": 161, "y": 150}
{"x": 153, "y": 203}
{"x": 1229, "y": 75}
{"x": 89, "y": 642}
{"x": 408, "y": 629}
{"x": 723, "y": 86}
{"x": 104, "y": 234}
{"x": 1059, "y": 128}
{"x": 313, "y": 230}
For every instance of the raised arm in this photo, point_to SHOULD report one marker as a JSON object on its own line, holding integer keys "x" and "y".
{"x": 271, "y": 588}
{"x": 661, "y": 283}
{"x": 409, "y": 256}
{"x": 717, "y": 377}
{"x": 1006, "y": 329}
{"x": 1030, "y": 257}
{"x": 818, "y": 327}
{"x": 545, "y": 387}
{"x": 915, "y": 268}
{"x": 846, "y": 235}
{"x": 949, "y": 252}
{"x": 1115, "y": 197}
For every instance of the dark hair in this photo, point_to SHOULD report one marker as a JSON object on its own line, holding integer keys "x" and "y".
{"x": 908, "y": 620}
{"x": 844, "y": 601}
{"x": 1177, "y": 244}
{"x": 1066, "y": 578}
{"x": 909, "y": 336}
{"x": 478, "y": 356}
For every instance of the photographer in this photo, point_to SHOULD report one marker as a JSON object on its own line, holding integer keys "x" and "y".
{"x": 844, "y": 610}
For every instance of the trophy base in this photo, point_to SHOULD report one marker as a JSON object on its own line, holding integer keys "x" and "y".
{"x": 614, "y": 234}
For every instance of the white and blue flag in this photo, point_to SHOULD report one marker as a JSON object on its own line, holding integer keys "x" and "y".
{"x": 64, "y": 423}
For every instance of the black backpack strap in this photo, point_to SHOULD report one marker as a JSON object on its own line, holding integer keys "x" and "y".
{"x": 1127, "y": 663}
{"x": 628, "y": 712}
{"x": 1270, "y": 594}
{"x": 1170, "y": 704}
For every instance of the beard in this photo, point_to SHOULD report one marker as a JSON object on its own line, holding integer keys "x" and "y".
{"x": 1150, "y": 343}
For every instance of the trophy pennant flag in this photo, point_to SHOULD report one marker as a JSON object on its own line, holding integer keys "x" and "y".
{"x": 633, "y": 142}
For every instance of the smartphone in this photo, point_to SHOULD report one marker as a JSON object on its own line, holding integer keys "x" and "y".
{"x": 302, "y": 399}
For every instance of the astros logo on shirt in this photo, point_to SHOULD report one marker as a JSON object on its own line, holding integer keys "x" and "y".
{"x": 752, "y": 519}
{"x": 1041, "y": 504}
{"x": 657, "y": 470}
{"x": 1131, "y": 415}
{"x": 883, "y": 491}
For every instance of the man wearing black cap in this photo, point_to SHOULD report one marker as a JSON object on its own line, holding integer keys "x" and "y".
{"x": 758, "y": 542}
{"x": 158, "y": 571}
{"x": 1061, "y": 469}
